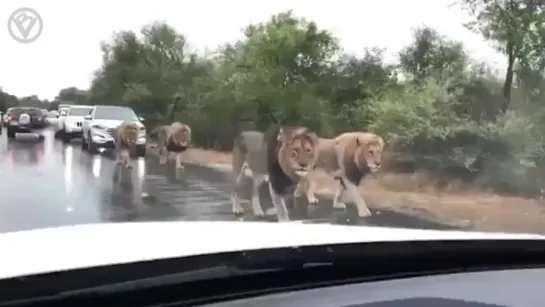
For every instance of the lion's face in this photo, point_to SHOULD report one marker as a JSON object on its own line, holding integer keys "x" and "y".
{"x": 298, "y": 150}
{"x": 369, "y": 151}
{"x": 181, "y": 135}
{"x": 129, "y": 133}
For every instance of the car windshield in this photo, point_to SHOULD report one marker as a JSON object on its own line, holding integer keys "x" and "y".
{"x": 79, "y": 111}
{"x": 29, "y": 111}
{"x": 115, "y": 113}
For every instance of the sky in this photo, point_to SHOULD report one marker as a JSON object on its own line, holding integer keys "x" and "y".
{"x": 68, "y": 49}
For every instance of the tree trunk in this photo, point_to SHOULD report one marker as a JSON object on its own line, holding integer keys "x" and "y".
{"x": 508, "y": 84}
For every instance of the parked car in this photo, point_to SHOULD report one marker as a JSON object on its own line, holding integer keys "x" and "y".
{"x": 25, "y": 120}
{"x": 73, "y": 122}
{"x": 99, "y": 128}
{"x": 60, "y": 121}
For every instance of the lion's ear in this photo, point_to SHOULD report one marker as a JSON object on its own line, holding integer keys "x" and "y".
{"x": 314, "y": 137}
{"x": 381, "y": 142}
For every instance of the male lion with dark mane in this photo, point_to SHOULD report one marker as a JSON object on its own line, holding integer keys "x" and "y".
{"x": 125, "y": 142}
{"x": 282, "y": 156}
{"x": 175, "y": 138}
{"x": 290, "y": 155}
{"x": 348, "y": 158}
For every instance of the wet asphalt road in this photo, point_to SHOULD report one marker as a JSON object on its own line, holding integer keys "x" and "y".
{"x": 48, "y": 184}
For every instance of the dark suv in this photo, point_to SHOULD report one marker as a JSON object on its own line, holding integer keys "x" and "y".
{"x": 25, "y": 120}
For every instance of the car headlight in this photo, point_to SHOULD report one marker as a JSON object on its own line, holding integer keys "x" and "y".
{"x": 99, "y": 127}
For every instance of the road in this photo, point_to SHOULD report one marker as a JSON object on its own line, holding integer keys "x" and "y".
{"x": 48, "y": 184}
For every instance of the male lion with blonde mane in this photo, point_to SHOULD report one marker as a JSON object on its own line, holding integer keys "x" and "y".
{"x": 282, "y": 156}
{"x": 348, "y": 158}
{"x": 174, "y": 138}
{"x": 125, "y": 142}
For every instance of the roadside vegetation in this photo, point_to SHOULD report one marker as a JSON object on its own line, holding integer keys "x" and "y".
{"x": 441, "y": 113}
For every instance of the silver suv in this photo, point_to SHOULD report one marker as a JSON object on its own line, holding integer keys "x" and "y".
{"x": 99, "y": 128}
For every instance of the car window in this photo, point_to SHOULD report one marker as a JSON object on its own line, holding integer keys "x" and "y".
{"x": 115, "y": 113}
{"x": 29, "y": 111}
{"x": 79, "y": 111}
{"x": 63, "y": 112}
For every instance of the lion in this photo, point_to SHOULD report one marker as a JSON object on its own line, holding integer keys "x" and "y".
{"x": 281, "y": 157}
{"x": 291, "y": 153}
{"x": 125, "y": 142}
{"x": 348, "y": 158}
{"x": 174, "y": 138}
{"x": 248, "y": 153}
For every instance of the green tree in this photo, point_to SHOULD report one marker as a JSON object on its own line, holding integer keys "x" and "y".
{"x": 515, "y": 27}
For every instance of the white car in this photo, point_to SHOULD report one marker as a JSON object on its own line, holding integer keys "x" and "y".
{"x": 99, "y": 128}
{"x": 93, "y": 246}
{"x": 73, "y": 122}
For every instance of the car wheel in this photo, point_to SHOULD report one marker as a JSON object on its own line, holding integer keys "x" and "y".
{"x": 91, "y": 147}
{"x": 141, "y": 151}
{"x": 11, "y": 134}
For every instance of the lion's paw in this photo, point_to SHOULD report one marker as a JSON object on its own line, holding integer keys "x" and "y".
{"x": 259, "y": 212}
{"x": 236, "y": 207}
{"x": 364, "y": 213}
{"x": 238, "y": 210}
{"x": 339, "y": 205}
{"x": 312, "y": 200}
{"x": 271, "y": 211}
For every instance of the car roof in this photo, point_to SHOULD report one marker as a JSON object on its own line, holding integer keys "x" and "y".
{"x": 111, "y": 106}
{"x": 80, "y": 106}
{"x": 32, "y": 108}
{"x": 17, "y": 109}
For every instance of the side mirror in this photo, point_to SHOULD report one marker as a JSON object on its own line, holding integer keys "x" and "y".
{"x": 140, "y": 118}
{"x": 58, "y": 115}
{"x": 87, "y": 117}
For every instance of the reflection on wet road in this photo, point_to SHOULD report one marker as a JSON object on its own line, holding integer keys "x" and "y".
{"x": 47, "y": 184}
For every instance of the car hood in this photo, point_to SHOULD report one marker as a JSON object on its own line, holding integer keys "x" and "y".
{"x": 83, "y": 246}
{"x": 109, "y": 123}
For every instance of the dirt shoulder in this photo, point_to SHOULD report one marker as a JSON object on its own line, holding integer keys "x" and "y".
{"x": 415, "y": 194}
